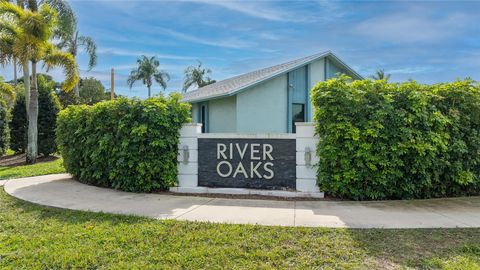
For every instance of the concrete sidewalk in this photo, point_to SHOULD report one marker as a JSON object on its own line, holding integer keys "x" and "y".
{"x": 60, "y": 190}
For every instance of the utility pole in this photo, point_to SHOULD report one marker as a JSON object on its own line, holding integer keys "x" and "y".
{"x": 112, "y": 88}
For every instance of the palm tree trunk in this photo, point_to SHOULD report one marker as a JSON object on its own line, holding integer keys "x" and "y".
{"x": 15, "y": 72}
{"x": 149, "y": 90}
{"x": 26, "y": 84}
{"x": 76, "y": 91}
{"x": 32, "y": 147}
{"x": 73, "y": 52}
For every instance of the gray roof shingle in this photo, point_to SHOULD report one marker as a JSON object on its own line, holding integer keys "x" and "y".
{"x": 237, "y": 83}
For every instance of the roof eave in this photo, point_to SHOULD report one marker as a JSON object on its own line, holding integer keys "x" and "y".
{"x": 324, "y": 55}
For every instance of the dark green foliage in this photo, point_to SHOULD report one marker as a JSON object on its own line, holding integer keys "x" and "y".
{"x": 4, "y": 130}
{"x": 397, "y": 141}
{"x": 18, "y": 125}
{"x": 68, "y": 98}
{"x": 126, "y": 144}
{"x": 92, "y": 91}
{"x": 48, "y": 108}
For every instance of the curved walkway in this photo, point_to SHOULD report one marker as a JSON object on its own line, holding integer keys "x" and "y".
{"x": 59, "y": 190}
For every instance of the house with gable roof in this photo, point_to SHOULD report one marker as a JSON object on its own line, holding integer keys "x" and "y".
{"x": 268, "y": 100}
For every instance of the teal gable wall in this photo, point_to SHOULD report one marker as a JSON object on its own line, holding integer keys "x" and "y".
{"x": 266, "y": 107}
{"x": 222, "y": 115}
{"x": 317, "y": 74}
{"x": 263, "y": 108}
{"x": 195, "y": 113}
{"x": 333, "y": 70}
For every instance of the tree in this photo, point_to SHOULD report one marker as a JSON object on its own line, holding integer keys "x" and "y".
{"x": 91, "y": 91}
{"x": 6, "y": 97}
{"x": 49, "y": 106}
{"x": 29, "y": 33}
{"x": 71, "y": 41}
{"x": 148, "y": 72}
{"x": 7, "y": 92}
{"x": 196, "y": 75}
{"x": 68, "y": 98}
{"x": 380, "y": 75}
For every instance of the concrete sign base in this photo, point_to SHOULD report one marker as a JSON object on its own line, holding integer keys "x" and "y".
{"x": 248, "y": 164}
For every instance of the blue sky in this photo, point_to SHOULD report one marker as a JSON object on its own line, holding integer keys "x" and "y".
{"x": 426, "y": 41}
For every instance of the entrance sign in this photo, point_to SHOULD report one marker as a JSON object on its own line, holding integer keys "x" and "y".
{"x": 247, "y": 163}
{"x": 266, "y": 164}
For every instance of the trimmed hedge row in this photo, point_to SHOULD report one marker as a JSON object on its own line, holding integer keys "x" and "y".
{"x": 397, "y": 141}
{"x": 127, "y": 144}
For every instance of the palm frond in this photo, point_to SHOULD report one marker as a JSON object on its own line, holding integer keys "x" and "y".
{"x": 6, "y": 90}
{"x": 6, "y": 49}
{"x": 11, "y": 9}
{"x": 196, "y": 75}
{"x": 161, "y": 77}
{"x": 67, "y": 21}
{"x": 90, "y": 48}
{"x": 133, "y": 78}
{"x": 57, "y": 58}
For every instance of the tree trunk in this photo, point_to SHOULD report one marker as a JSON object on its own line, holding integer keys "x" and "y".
{"x": 15, "y": 72}
{"x": 73, "y": 52}
{"x": 76, "y": 91}
{"x": 26, "y": 85}
{"x": 149, "y": 90}
{"x": 32, "y": 147}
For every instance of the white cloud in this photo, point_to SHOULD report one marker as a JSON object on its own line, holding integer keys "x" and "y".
{"x": 257, "y": 9}
{"x": 412, "y": 26}
{"x": 126, "y": 52}
{"x": 227, "y": 42}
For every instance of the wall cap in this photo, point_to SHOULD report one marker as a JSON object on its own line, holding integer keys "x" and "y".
{"x": 192, "y": 124}
{"x": 308, "y": 124}
{"x": 246, "y": 136}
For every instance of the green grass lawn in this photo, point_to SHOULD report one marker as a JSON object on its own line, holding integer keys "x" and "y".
{"x": 35, "y": 237}
{"x": 32, "y": 170}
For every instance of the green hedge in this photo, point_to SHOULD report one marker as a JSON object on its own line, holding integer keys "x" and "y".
{"x": 127, "y": 144}
{"x": 397, "y": 141}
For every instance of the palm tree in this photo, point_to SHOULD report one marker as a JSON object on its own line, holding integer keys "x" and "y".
{"x": 380, "y": 75}
{"x": 196, "y": 75}
{"x": 148, "y": 72}
{"x": 66, "y": 19}
{"x": 29, "y": 33}
{"x": 71, "y": 41}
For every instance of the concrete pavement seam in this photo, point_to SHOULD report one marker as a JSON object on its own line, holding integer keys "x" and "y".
{"x": 445, "y": 216}
{"x": 195, "y": 208}
{"x": 294, "y": 213}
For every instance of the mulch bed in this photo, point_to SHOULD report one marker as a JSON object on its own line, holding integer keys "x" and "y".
{"x": 19, "y": 160}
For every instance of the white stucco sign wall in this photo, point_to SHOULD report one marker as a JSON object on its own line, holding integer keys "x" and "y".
{"x": 276, "y": 164}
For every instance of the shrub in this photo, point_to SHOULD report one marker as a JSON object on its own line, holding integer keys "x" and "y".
{"x": 397, "y": 141}
{"x": 48, "y": 108}
{"x": 18, "y": 125}
{"x": 68, "y": 98}
{"x": 126, "y": 144}
{"x": 4, "y": 132}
